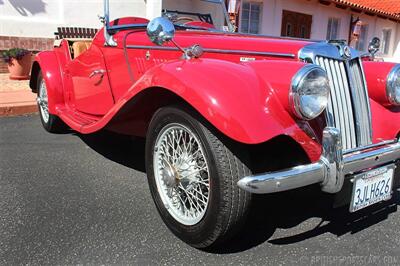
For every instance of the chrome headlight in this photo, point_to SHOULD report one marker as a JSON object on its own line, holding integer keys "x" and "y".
{"x": 393, "y": 85}
{"x": 310, "y": 92}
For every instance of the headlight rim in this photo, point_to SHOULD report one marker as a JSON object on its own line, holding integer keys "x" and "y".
{"x": 294, "y": 97}
{"x": 390, "y": 86}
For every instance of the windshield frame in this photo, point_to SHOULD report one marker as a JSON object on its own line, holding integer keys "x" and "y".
{"x": 109, "y": 30}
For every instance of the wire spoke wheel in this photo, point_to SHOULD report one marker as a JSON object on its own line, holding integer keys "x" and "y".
{"x": 182, "y": 174}
{"x": 192, "y": 178}
{"x": 43, "y": 101}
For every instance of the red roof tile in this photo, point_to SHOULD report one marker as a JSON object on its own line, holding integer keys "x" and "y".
{"x": 388, "y": 8}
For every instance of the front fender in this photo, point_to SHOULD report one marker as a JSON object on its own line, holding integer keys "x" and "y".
{"x": 247, "y": 102}
{"x": 50, "y": 68}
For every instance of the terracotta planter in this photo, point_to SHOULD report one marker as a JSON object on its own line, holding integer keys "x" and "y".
{"x": 20, "y": 69}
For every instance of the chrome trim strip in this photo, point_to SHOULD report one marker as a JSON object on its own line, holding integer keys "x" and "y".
{"x": 211, "y": 50}
{"x": 246, "y": 52}
{"x": 329, "y": 171}
{"x": 150, "y": 47}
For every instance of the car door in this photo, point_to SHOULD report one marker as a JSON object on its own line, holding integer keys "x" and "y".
{"x": 90, "y": 84}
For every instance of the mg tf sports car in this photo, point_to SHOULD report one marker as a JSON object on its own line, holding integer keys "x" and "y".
{"x": 226, "y": 115}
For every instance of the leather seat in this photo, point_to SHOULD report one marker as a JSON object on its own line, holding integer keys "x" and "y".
{"x": 80, "y": 47}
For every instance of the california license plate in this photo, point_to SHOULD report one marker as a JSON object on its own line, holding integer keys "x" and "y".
{"x": 371, "y": 187}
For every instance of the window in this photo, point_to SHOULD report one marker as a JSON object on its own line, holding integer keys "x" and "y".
{"x": 362, "y": 39}
{"x": 296, "y": 24}
{"x": 333, "y": 29}
{"x": 386, "y": 40}
{"x": 250, "y": 18}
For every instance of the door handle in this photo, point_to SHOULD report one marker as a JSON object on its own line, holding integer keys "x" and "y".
{"x": 97, "y": 72}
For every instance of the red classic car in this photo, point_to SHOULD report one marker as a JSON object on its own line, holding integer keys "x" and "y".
{"x": 226, "y": 115}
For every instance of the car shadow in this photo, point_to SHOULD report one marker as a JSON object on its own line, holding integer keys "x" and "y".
{"x": 289, "y": 209}
{"x": 268, "y": 213}
{"x": 122, "y": 149}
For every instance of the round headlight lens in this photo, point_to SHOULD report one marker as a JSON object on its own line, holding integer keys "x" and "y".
{"x": 393, "y": 85}
{"x": 310, "y": 92}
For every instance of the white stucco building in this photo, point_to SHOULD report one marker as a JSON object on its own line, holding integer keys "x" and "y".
{"x": 37, "y": 20}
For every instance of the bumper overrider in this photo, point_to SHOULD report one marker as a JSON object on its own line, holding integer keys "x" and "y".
{"x": 329, "y": 171}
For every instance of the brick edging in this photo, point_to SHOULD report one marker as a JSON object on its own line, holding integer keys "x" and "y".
{"x": 34, "y": 44}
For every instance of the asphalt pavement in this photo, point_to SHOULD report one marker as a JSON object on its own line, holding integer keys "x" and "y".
{"x": 70, "y": 199}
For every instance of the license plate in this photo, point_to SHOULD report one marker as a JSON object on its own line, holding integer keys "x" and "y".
{"x": 372, "y": 187}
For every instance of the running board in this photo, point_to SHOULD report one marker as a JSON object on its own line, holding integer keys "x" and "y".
{"x": 76, "y": 119}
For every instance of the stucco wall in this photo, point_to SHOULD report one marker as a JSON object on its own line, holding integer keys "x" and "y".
{"x": 272, "y": 21}
{"x": 272, "y": 17}
{"x": 40, "y": 18}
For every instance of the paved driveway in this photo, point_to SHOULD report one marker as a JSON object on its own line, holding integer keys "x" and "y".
{"x": 73, "y": 199}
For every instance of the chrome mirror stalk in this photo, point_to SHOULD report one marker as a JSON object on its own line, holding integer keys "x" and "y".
{"x": 161, "y": 30}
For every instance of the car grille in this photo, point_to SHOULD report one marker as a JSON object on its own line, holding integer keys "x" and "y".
{"x": 348, "y": 109}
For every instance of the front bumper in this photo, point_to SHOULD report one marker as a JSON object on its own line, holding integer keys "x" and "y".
{"x": 329, "y": 171}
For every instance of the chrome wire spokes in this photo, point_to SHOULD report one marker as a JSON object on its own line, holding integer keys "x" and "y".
{"x": 182, "y": 174}
{"x": 43, "y": 101}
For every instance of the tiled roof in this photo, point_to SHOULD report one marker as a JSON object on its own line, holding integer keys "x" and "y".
{"x": 387, "y": 8}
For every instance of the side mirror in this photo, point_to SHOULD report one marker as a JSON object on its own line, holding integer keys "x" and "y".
{"x": 374, "y": 45}
{"x": 160, "y": 30}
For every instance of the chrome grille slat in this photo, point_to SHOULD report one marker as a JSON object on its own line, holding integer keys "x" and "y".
{"x": 348, "y": 104}
{"x": 333, "y": 103}
{"x": 348, "y": 109}
{"x": 343, "y": 103}
{"x": 338, "y": 101}
{"x": 330, "y": 112}
{"x": 361, "y": 103}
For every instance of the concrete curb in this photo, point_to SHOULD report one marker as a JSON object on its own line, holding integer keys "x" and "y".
{"x": 17, "y": 102}
{"x": 18, "y": 110}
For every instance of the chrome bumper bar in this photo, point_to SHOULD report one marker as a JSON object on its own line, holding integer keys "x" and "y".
{"x": 329, "y": 171}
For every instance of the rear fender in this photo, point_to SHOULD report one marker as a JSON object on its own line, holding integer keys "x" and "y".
{"x": 50, "y": 68}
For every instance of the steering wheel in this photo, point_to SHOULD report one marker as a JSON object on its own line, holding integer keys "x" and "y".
{"x": 184, "y": 18}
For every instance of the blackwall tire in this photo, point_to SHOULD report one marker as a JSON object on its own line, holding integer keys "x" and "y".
{"x": 226, "y": 205}
{"x": 50, "y": 122}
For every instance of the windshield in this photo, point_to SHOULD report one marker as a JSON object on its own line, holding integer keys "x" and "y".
{"x": 212, "y": 16}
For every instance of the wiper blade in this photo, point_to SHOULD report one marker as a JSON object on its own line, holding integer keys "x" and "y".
{"x": 188, "y": 27}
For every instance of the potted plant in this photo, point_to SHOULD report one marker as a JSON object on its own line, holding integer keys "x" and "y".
{"x": 19, "y": 63}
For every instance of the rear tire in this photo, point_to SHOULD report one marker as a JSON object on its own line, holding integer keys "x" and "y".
{"x": 50, "y": 122}
{"x": 221, "y": 206}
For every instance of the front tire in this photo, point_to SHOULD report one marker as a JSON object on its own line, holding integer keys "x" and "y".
{"x": 192, "y": 176}
{"x": 50, "y": 122}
